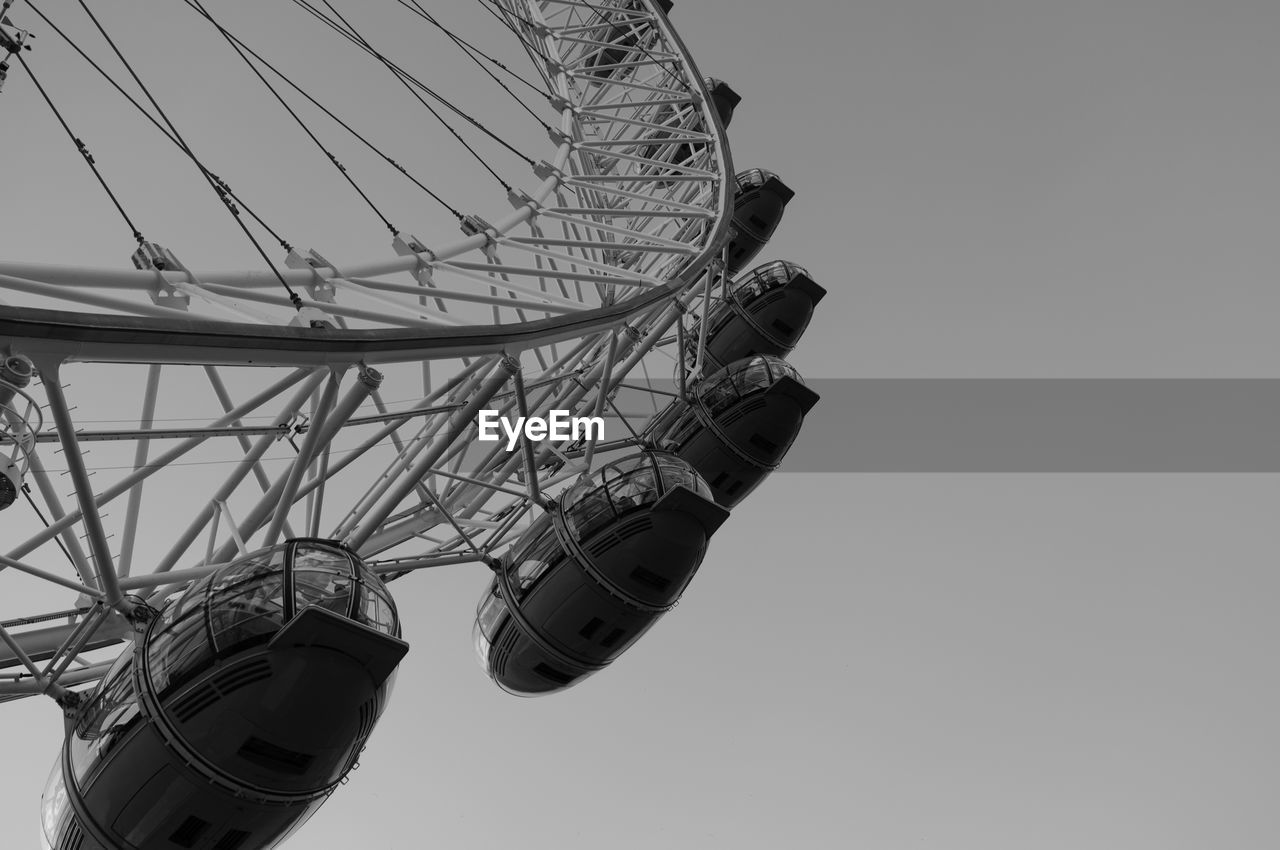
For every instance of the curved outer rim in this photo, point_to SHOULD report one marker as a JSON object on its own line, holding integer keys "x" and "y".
{"x": 79, "y": 336}
{"x": 68, "y": 335}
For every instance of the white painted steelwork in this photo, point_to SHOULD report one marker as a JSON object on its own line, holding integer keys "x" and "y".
{"x": 613, "y": 241}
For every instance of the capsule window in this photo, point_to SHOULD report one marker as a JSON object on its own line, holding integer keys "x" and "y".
{"x": 328, "y": 588}
{"x": 192, "y": 597}
{"x": 53, "y": 805}
{"x": 253, "y": 609}
{"x": 179, "y": 652}
{"x": 633, "y": 489}
{"x": 763, "y": 443}
{"x": 718, "y": 396}
{"x": 109, "y": 717}
{"x": 592, "y": 512}
{"x": 755, "y": 376}
{"x": 375, "y": 610}
{"x": 113, "y": 701}
{"x": 490, "y": 613}
{"x": 612, "y": 638}
{"x": 593, "y": 625}
{"x": 529, "y": 571}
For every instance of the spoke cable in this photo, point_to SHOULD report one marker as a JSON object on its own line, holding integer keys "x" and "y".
{"x": 502, "y": 13}
{"x": 342, "y": 169}
{"x": 294, "y": 298}
{"x": 143, "y": 110}
{"x": 401, "y": 75}
{"x": 470, "y": 48}
{"x": 343, "y": 124}
{"x": 57, "y": 538}
{"x": 410, "y": 82}
{"x": 464, "y": 48}
{"x": 527, "y": 44}
{"x": 84, "y": 150}
{"x": 405, "y": 79}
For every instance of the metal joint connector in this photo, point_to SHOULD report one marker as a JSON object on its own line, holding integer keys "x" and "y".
{"x": 370, "y": 377}
{"x": 412, "y": 245}
{"x": 70, "y": 703}
{"x": 518, "y": 198}
{"x": 141, "y": 615}
{"x": 474, "y": 225}
{"x": 319, "y": 287}
{"x": 152, "y": 256}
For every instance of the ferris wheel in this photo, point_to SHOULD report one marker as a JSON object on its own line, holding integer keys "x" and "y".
{"x": 209, "y": 478}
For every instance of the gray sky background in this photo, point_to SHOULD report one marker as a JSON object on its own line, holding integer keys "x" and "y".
{"x": 987, "y": 188}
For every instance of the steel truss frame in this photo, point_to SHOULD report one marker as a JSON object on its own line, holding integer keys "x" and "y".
{"x": 582, "y": 281}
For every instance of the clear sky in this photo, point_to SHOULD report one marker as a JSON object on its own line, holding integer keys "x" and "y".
{"x": 987, "y": 188}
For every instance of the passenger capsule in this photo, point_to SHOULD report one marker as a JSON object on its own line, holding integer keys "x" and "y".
{"x": 248, "y": 700}
{"x": 767, "y": 313}
{"x": 738, "y": 425}
{"x": 758, "y": 205}
{"x": 622, "y": 34}
{"x": 723, "y": 99}
{"x": 589, "y": 577}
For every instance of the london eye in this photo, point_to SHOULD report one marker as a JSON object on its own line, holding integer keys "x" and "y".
{"x": 213, "y": 479}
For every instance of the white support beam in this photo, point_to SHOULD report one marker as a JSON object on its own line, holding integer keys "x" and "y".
{"x": 160, "y": 462}
{"x": 306, "y": 452}
{"x": 457, "y": 425}
{"x": 14, "y": 564}
{"x": 70, "y": 543}
{"x": 145, "y": 421}
{"x": 224, "y": 491}
{"x": 97, "y": 533}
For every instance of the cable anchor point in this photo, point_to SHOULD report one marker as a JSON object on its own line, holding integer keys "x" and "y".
{"x": 12, "y": 40}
